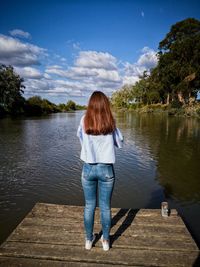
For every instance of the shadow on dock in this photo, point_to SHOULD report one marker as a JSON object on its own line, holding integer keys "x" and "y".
{"x": 197, "y": 261}
{"x": 129, "y": 215}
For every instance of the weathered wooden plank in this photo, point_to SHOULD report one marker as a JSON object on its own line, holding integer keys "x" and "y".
{"x": 59, "y": 210}
{"x": 119, "y": 256}
{"x": 30, "y": 226}
{"x": 63, "y": 208}
{"x": 128, "y": 216}
{"x": 64, "y": 221}
{"x": 116, "y": 229}
{"x": 131, "y": 241}
{"x": 29, "y": 262}
{"x": 175, "y": 222}
{"x": 153, "y": 212}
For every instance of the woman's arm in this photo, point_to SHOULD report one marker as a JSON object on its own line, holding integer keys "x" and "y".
{"x": 80, "y": 134}
{"x": 80, "y": 131}
{"x": 118, "y": 138}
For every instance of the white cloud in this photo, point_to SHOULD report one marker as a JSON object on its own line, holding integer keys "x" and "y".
{"x": 94, "y": 59}
{"x": 52, "y": 87}
{"x": 29, "y": 73}
{"x": 94, "y": 70}
{"x": 77, "y": 73}
{"x": 91, "y": 70}
{"x": 76, "y": 46}
{"x": 57, "y": 71}
{"x": 88, "y": 69}
{"x": 108, "y": 75}
{"x": 17, "y": 53}
{"x": 47, "y": 76}
{"x": 130, "y": 79}
{"x": 92, "y": 74}
{"x": 20, "y": 33}
{"x": 63, "y": 59}
{"x": 142, "y": 14}
{"x": 134, "y": 69}
{"x": 54, "y": 67}
{"x": 146, "y": 61}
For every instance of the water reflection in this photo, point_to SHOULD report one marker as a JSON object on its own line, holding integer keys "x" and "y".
{"x": 174, "y": 144}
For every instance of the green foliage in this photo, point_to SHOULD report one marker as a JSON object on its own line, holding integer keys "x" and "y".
{"x": 176, "y": 104}
{"x": 198, "y": 111}
{"x": 80, "y": 107}
{"x": 35, "y": 105}
{"x": 153, "y": 97}
{"x": 62, "y": 107}
{"x": 122, "y": 98}
{"x": 179, "y": 58}
{"x": 71, "y": 105}
{"x": 11, "y": 89}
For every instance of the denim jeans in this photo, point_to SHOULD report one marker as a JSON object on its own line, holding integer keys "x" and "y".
{"x": 99, "y": 176}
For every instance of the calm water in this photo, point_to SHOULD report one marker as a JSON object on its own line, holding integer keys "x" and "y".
{"x": 160, "y": 160}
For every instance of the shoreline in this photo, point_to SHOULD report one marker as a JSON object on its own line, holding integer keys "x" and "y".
{"x": 184, "y": 111}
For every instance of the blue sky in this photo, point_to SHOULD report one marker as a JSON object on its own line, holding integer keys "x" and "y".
{"x": 67, "y": 49}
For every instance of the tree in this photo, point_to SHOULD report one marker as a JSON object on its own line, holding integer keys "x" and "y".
{"x": 71, "y": 105}
{"x": 33, "y": 105}
{"x": 62, "y": 107}
{"x": 179, "y": 57}
{"x": 11, "y": 89}
{"x": 123, "y": 97}
{"x": 141, "y": 88}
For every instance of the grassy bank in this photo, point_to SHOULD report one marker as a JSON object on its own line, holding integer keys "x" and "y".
{"x": 184, "y": 110}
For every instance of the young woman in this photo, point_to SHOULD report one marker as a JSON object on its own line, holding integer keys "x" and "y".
{"x": 98, "y": 136}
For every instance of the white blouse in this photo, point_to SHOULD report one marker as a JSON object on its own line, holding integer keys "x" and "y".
{"x": 99, "y": 148}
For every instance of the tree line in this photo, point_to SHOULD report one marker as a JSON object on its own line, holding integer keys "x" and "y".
{"x": 12, "y": 100}
{"x": 175, "y": 80}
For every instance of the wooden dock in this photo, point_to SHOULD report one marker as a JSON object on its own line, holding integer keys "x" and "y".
{"x": 53, "y": 235}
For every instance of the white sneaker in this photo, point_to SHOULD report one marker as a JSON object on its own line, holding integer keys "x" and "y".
{"x": 88, "y": 243}
{"x": 105, "y": 244}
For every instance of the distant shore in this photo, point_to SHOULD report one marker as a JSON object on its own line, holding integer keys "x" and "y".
{"x": 185, "y": 110}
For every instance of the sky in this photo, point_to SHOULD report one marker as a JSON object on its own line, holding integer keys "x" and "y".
{"x": 66, "y": 49}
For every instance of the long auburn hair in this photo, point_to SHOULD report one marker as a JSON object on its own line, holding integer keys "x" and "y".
{"x": 98, "y": 118}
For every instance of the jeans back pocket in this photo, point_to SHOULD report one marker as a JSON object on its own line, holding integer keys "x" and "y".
{"x": 109, "y": 171}
{"x": 86, "y": 170}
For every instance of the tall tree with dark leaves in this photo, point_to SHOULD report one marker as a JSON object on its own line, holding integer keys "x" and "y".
{"x": 179, "y": 57}
{"x": 11, "y": 90}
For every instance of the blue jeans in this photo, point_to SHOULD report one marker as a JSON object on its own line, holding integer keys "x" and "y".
{"x": 99, "y": 176}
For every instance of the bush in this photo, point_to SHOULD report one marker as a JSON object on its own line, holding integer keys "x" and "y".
{"x": 198, "y": 111}
{"x": 33, "y": 106}
{"x": 71, "y": 105}
{"x": 135, "y": 106}
{"x": 176, "y": 104}
{"x": 172, "y": 112}
{"x": 2, "y": 110}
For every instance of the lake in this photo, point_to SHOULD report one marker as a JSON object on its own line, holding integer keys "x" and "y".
{"x": 160, "y": 161}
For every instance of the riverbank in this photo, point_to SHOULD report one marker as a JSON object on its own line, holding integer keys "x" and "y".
{"x": 35, "y": 106}
{"x": 184, "y": 110}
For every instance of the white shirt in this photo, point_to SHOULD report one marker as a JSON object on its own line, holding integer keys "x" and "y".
{"x": 99, "y": 148}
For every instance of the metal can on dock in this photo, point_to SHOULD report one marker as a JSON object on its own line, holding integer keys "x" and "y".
{"x": 164, "y": 209}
